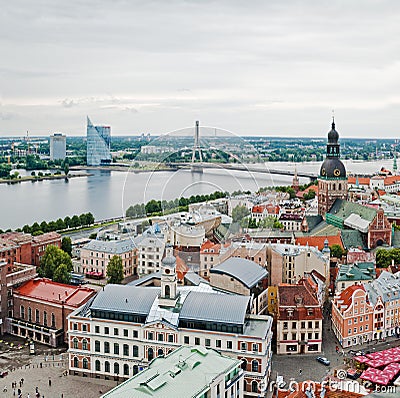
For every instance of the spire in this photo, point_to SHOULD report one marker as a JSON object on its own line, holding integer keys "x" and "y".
{"x": 333, "y": 119}
{"x": 89, "y": 123}
{"x": 395, "y": 162}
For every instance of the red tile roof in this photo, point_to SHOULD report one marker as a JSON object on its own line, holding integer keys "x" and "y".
{"x": 391, "y": 180}
{"x": 319, "y": 241}
{"x": 270, "y": 208}
{"x": 361, "y": 180}
{"x": 347, "y": 294}
{"x": 211, "y": 247}
{"x": 300, "y": 194}
{"x": 301, "y": 388}
{"x": 181, "y": 268}
{"x": 47, "y": 290}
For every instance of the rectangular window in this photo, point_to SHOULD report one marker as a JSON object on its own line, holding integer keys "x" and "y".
{"x": 186, "y": 339}
{"x": 37, "y": 316}
{"x": 316, "y": 336}
{"x": 170, "y": 338}
{"x": 160, "y": 337}
{"x": 150, "y": 336}
{"x": 106, "y": 330}
{"x": 126, "y": 349}
{"x": 294, "y": 325}
{"x": 116, "y": 348}
{"x": 229, "y": 345}
{"x": 97, "y": 329}
{"x": 208, "y": 343}
{"x": 303, "y": 325}
{"x": 255, "y": 347}
{"x": 97, "y": 346}
{"x": 135, "y": 334}
{"x": 218, "y": 343}
{"x": 243, "y": 346}
{"x": 197, "y": 341}
{"x": 285, "y": 325}
{"x": 310, "y": 325}
{"x": 84, "y": 327}
{"x": 44, "y": 318}
{"x": 115, "y": 331}
{"x": 125, "y": 332}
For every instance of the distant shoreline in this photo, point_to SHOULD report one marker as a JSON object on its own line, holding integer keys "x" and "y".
{"x": 36, "y": 178}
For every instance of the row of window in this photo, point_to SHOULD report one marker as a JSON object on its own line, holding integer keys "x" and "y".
{"x": 361, "y": 329}
{"x": 302, "y": 325}
{"x": 38, "y": 318}
{"x": 303, "y": 336}
{"x": 355, "y": 319}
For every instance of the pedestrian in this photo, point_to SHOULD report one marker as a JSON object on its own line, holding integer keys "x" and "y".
{"x": 5, "y": 389}
{"x": 300, "y": 371}
{"x": 49, "y": 382}
{"x": 28, "y": 396}
{"x": 14, "y": 392}
{"x": 22, "y": 381}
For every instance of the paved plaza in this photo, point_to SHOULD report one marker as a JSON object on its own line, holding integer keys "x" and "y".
{"x": 37, "y": 370}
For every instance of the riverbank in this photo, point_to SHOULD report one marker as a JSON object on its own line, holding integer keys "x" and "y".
{"x": 44, "y": 177}
{"x": 128, "y": 167}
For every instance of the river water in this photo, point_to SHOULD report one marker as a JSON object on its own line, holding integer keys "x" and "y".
{"x": 109, "y": 193}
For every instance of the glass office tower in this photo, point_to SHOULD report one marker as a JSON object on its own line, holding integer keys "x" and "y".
{"x": 98, "y": 144}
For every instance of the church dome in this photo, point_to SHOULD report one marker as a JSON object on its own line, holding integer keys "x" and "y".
{"x": 169, "y": 261}
{"x": 332, "y": 168}
{"x": 333, "y": 135}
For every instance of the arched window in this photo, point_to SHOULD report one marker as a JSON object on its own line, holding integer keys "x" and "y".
{"x": 340, "y": 187}
{"x": 84, "y": 344}
{"x": 53, "y": 320}
{"x": 244, "y": 385}
{"x": 126, "y": 370}
{"x": 75, "y": 343}
{"x": 107, "y": 366}
{"x": 135, "y": 351}
{"x": 22, "y": 312}
{"x": 254, "y": 366}
{"x": 254, "y": 386}
{"x": 244, "y": 364}
{"x": 126, "y": 349}
{"x": 44, "y": 318}
{"x": 160, "y": 352}
{"x": 76, "y": 362}
{"x": 116, "y": 348}
{"x": 97, "y": 365}
{"x": 29, "y": 314}
{"x": 116, "y": 368}
{"x": 106, "y": 347}
{"x": 334, "y": 187}
{"x": 167, "y": 291}
{"x": 150, "y": 354}
{"x": 85, "y": 363}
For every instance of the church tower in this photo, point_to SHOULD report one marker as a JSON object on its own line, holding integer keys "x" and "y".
{"x": 169, "y": 281}
{"x": 332, "y": 180}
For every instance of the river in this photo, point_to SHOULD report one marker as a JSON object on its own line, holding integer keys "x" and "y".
{"x": 109, "y": 193}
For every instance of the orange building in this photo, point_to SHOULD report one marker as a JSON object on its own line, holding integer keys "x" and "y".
{"x": 352, "y": 316}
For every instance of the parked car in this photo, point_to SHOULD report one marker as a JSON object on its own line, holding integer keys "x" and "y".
{"x": 323, "y": 360}
{"x": 3, "y": 374}
{"x": 352, "y": 352}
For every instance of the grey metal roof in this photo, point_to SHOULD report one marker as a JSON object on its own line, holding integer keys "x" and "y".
{"x": 124, "y": 298}
{"x": 214, "y": 308}
{"x": 112, "y": 246}
{"x": 145, "y": 278}
{"x": 386, "y": 286}
{"x": 194, "y": 278}
{"x": 247, "y": 272}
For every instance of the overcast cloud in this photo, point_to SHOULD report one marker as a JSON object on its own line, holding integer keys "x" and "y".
{"x": 252, "y": 67}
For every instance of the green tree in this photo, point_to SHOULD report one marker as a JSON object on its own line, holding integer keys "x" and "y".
{"x": 52, "y": 259}
{"x": 309, "y": 195}
{"x": 66, "y": 245}
{"x": 60, "y": 224}
{"x": 336, "y": 251}
{"x": 61, "y": 274}
{"x": 115, "y": 271}
{"x": 67, "y": 221}
{"x": 239, "y": 212}
{"x": 75, "y": 221}
{"x": 44, "y": 226}
{"x": 66, "y": 168}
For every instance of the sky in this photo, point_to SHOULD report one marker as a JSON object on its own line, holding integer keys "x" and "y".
{"x": 274, "y": 68}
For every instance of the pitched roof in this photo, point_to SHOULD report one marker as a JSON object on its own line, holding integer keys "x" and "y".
{"x": 352, "y": 238}
{"x": 343, "y": 209}
{"x": 347, "y": 294}
{"x": 222, "y": 308}
{"x": 319, "y": 241}
{"x": 245, "y": 271}
{"x": 356, "y": 272}
{"x": 125, "y": 298}
{"x": 112, "y": 246}
{"x": 361, "y": 180}
{"x": 185, "y": 372}
{"x": 47, "y": 290}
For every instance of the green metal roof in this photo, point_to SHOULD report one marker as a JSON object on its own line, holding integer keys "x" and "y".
{"x": 343, "y": 209}
{"x": 352, "y": 238}
{"x": 187, "y": 372}
{"x": 356, "y": 272}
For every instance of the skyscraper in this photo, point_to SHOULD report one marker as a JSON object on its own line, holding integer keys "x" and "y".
{"x": 98, "y": 144}
{"x": 58, "y": 146}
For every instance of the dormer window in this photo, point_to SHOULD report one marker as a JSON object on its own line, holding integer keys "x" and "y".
{"x": 310, "y": 311}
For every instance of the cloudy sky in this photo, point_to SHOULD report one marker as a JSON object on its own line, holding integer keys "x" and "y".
{"x": 255, "y": 67}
